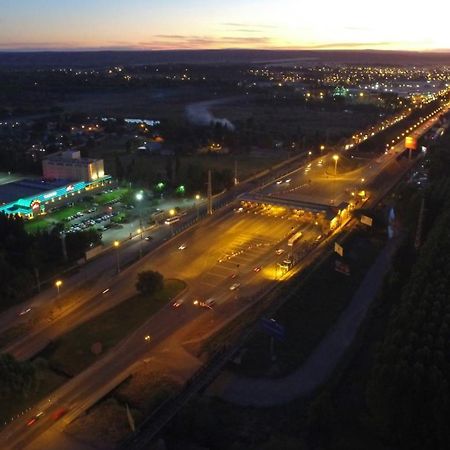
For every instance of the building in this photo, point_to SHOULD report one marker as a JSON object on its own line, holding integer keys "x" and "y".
{"x": 69, "y": 165}
{"x": 29, "y": 198}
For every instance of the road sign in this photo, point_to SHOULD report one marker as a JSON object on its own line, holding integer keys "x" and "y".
{"x": 273, "y": 328}
{"x": 366, "y": 220}
{"x": 341, "y": 267}
{"x": 411, "y": 142}
{"x": 339, "y": 249}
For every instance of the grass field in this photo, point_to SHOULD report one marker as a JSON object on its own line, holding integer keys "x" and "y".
{"x": 143, "y": 392}
{"x": 13, "y": 405}
{"x": 51, "y": 219}
{"x": 72, "y": 352}
{"x": 116, "y": 194}
{"x": 312, "y": 312}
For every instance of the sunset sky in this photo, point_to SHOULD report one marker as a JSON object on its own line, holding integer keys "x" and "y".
{"x": 200, "y": 24}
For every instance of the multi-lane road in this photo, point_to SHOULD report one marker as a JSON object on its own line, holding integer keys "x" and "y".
{"x": 224, "y": 252}
{"x": 229, "y": 248}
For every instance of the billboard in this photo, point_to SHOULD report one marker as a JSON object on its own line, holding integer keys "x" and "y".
{"x": 341, "y": 267}
{"x": 339, "y": 249}
{"x": 366, "y": 220}
{"x": 411, "y": 142}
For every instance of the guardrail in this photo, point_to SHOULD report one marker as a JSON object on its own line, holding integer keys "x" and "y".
{"x": 266, "y": 302}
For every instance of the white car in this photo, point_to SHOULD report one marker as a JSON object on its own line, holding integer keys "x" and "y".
{"x": 279, "y": 251}
{"x": 182, "y": 246}
{"x": 235, "y": 286}
{"x": 178, "y": 303}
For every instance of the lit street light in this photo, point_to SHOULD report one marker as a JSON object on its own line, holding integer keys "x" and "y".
{"x": 58, "y": 284}
{"x": 139, "y": 231}
{"x": 336, "y": 159}
{"x": 197, "y": 198}
{"x": 116, "y": 246}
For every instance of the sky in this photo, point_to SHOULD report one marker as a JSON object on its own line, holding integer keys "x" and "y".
{"x": 216, "y": 24}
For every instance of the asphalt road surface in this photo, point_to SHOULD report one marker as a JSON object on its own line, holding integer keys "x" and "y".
{"x": 211, "y": 257}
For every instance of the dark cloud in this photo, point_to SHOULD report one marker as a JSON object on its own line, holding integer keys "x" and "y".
{"x": 350, "y": 45}
{"x": 193, "y": 41}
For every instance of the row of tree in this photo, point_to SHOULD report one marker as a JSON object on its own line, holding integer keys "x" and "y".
{"x": 27, "y": 258}
{"x": 408, "y": 392}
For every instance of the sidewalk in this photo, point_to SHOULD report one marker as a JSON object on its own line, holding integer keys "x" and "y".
{"x": 324, "y": 359}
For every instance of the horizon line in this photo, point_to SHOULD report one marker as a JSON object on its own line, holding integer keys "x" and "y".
{"x": 278, "y": 49}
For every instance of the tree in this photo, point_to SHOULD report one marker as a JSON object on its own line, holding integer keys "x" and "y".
{"x": 16, "y": 377}
{"x": 149, "y": 281}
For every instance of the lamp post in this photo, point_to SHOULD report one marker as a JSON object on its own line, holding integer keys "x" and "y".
{"x": 58, "y": 285}
{"x": 139, "y": 198}
{"x": 171, "y": 213}
{"x": 116, "y": 246}
{"x": 140, "y": 230}
{"x": 336, "y": 159}
{"x": 197, "y": 198}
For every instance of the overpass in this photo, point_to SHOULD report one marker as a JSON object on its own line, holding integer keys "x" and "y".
{"x": 329, "y": 211}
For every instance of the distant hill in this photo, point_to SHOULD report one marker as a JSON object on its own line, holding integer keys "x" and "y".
{"x": 91, "y": 59}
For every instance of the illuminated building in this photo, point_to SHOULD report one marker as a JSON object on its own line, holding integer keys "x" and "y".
{"x": 69, "y": 165}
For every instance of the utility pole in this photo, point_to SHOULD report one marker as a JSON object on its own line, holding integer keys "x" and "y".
{"x": 235, "y": 173}
{"x": 418, "y": 239}
{"x": 210, "y": 206}
{"x": 63, "y": 245}
{"x": 38, "y": 280}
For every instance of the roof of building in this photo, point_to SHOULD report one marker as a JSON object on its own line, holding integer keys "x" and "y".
{"x": 69, "y": 157}
{"x": 27, "y": 188}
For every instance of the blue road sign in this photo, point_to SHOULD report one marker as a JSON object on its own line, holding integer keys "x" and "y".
{"x": 273, "y": 328}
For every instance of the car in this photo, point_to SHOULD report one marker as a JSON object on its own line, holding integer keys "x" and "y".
{"x": 178, "y": 303}
{"x": 34, "y": 419}
{"x": 182, "y": 246}
{"x": 24, "y": 311}
{"x": 148, "y": 238}
{"x": 205, "y": 304}
{"x": 279, "y": 251}
{"x": 257, "y": 269}
{"x": 59, "y": 413}
{"x": 279, "y": 181}
{"x": 235, "y": 286}
{"x": 318, "y": 238}
{"x": 147, "y": 338}
{"x": 288, "y": 180}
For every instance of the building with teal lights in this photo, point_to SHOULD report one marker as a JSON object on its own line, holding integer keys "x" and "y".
{"x": 31, "y": 197}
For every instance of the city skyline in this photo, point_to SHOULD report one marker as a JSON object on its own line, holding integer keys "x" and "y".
{"x": 192, "y": 24}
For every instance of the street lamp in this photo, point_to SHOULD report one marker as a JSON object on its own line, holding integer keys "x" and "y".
{"x": 139, "y": 198}
{"x": 336, "y": 159}
{"x": 171, "y": 214}
{"x": 139, "y": 231}
{"x": 116, "y": 246}
{"x": 58, "y": 284}
{"x": 197, "y": 198}
{"x": 322, "y": 148}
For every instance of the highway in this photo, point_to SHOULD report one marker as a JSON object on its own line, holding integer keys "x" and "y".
{"x": 92, "y": 278}
{"x": 220, "y": 251}
{"x": 209, "y": 264}
{"x": 323, "y": 181}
